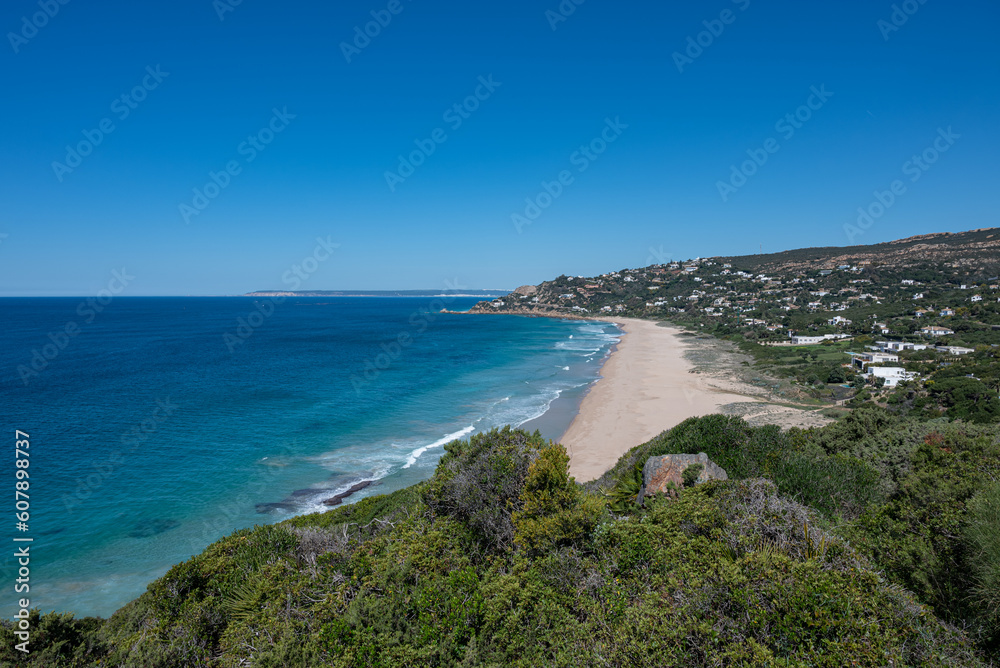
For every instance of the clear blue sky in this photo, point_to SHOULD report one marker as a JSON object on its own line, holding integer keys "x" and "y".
{"x": 655, "y": 188}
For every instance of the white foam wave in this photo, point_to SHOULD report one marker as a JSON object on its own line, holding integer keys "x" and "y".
{"x": 582, "y": 346}
{"x": 539, "y": 411}
{"x": 415, "y": 455}
{"x": 592, "y": 329}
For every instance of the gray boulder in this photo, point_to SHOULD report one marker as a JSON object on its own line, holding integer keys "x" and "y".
{"x": 664, "y": 475}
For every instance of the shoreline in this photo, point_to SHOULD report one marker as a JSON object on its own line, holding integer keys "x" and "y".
{"x": 654, "y": 378}
{"x": 646, "y": 386}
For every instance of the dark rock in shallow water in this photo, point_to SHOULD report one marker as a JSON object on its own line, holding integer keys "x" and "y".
{"x": 303, "y": 497}
{"x": 152, "y": 528}
{"x": 263, "y": 508}
{"x": 336, "y": 499}
{"x": 308, "y": 491}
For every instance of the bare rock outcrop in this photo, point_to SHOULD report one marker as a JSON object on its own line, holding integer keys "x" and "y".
{"x": 665, "y": 475}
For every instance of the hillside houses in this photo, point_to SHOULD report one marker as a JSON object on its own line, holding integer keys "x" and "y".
{"x": 803, "y": 301}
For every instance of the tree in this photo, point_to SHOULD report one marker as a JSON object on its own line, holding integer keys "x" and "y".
{"x": 967, "y": 399}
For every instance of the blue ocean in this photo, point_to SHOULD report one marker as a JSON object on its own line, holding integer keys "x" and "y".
{"x": 159, "y": 425}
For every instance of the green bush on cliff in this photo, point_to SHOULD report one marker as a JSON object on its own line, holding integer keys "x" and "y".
{"x": 982, "y": 535}
{"x": 838, "y": 485}
{"x": 480, "y": 482}
{"x": 555, "y": 511}
{"x": 501, "y": 559}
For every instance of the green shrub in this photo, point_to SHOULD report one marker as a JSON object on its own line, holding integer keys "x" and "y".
{"x": 967, "y": 399}
{"x": 480, "y": 481}
{"x": 555, "y": 511}
{"x": 982, "y": 535}
{"x": 624, "y": 492}
{"x": 920, "y": 535}
{"x": 691, "y": 473}
{"x": 838, "y": 486}
{"x": 730, "y": 573}
{"x": 57, "y": 640}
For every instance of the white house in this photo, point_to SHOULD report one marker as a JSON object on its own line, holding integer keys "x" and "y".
{"x": 934, "y": 330}
{"x": 838, "y": 320}
{"x": 881, "y": 327}
{"x": 977, "y": 298}
{"x": 899, "y": 345}
{"x": 947, "y": 312}
{"x": 893, "y": 375}
{"x": 863, "y": 360}
{"x": 811, "y": 340}
{"x": 955, "y": 350}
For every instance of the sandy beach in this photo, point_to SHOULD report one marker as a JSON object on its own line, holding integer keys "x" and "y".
{"x": 646, "y": 387}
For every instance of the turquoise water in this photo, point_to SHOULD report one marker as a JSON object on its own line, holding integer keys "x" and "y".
{"x": 165, "y": 424}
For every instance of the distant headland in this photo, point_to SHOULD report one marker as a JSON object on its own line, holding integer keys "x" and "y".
{"x": 379, "y": 293}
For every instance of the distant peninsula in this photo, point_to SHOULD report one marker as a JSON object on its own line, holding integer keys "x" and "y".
{"x": 379, "y": 293}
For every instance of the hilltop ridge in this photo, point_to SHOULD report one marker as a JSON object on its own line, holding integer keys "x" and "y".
{"x": 902, "y": 271}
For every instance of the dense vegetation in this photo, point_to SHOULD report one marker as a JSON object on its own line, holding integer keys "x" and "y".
{"x": 871, "y": 542}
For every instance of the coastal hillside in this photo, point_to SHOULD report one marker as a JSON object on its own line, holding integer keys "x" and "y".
{"x": 939, "y": 263}
{"x": 911, "y": 325}
{"x": 871, "y": 542}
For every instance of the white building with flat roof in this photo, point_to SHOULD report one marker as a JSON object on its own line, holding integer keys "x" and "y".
{"x": 811, "y": 340}
{"x": 893, "y": 375}
{"x": 863, "y": 360}
{"x": 899, "y": 345}
{"x": 955, "y": 350}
